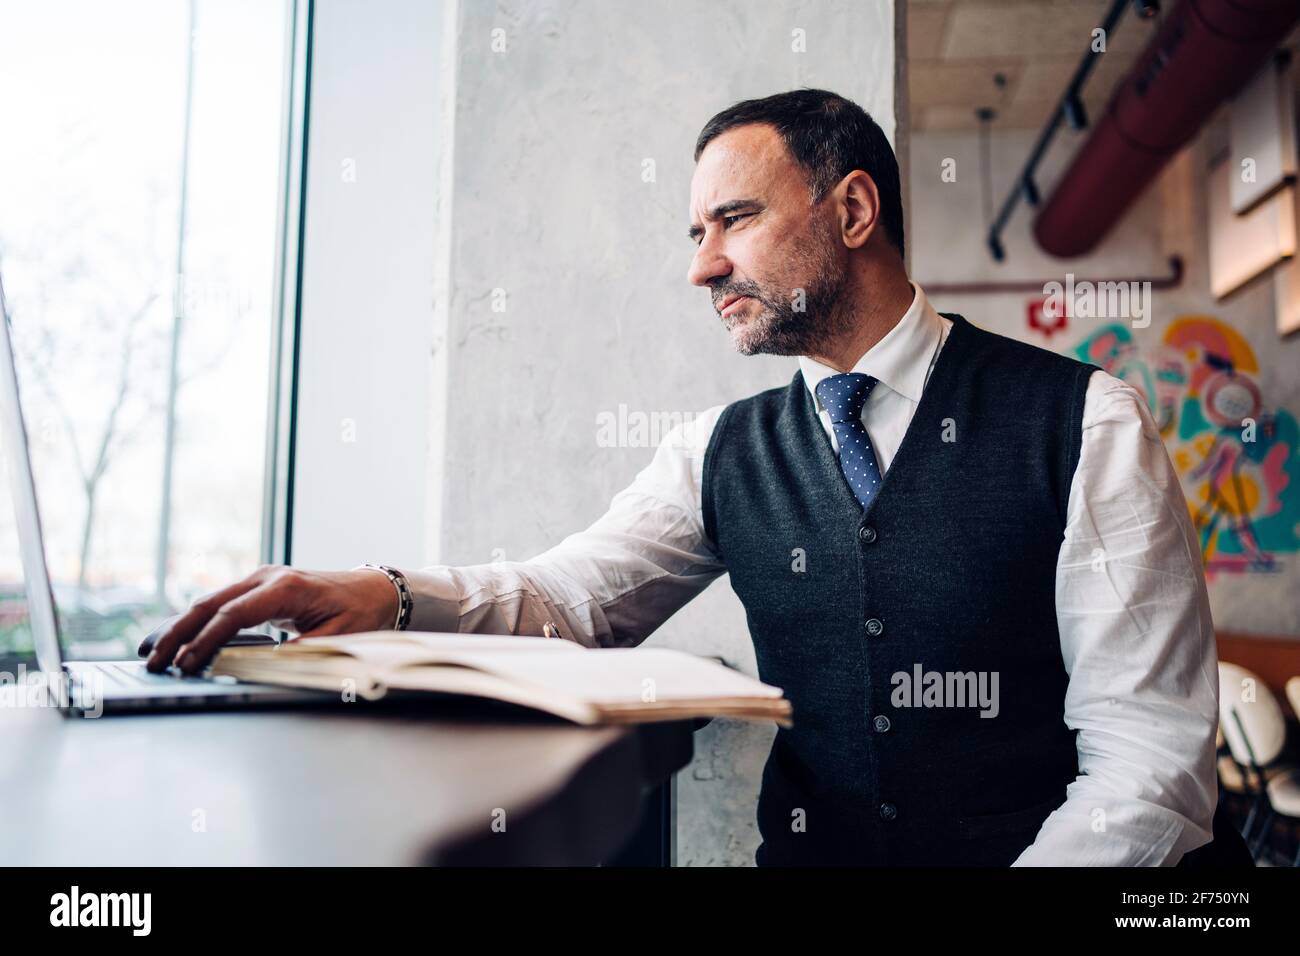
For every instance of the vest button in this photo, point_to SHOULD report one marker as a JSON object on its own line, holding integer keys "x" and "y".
{"x": 881, "y": 724}
{"x": 867, "y": 534}
{"x": 874, "y": 627}
{"x": 888, "y": 811}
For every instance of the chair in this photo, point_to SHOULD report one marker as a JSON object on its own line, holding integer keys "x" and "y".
{"x": 1232, "y": 779}
{"x": 1255, "y": 733}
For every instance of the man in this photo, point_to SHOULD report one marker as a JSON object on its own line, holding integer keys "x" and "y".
{"x": 967, "y": 560}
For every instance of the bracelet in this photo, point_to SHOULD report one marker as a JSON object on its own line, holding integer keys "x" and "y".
{"x": 405, "y": 603}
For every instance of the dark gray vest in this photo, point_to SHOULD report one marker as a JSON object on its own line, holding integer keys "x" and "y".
{"x": 947, "y": 580}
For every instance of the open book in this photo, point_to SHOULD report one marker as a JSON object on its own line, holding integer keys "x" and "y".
{"x": 585, "y": 685}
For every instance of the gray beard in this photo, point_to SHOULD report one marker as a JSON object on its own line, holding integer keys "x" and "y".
{"x": 781, "y": 330}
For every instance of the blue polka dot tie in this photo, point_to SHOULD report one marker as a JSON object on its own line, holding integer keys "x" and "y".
{"x": 843, "y": 396}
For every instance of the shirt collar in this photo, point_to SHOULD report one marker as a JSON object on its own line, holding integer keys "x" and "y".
{"x": 901, "y": 360}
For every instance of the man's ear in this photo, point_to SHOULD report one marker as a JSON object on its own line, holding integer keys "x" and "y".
{"x": 859, "y": 208}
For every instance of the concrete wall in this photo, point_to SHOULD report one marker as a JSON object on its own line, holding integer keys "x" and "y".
{"x": 544, "y": 200}
{"x": 946, "y": 234}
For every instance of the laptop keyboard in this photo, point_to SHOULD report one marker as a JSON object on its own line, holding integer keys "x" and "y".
{"x": 136, "y": 675}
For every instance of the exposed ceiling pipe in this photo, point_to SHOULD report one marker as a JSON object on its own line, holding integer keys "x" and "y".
{"x": 1068, "y": 109}
{"x": 1204, "y": 53}
{"x": 1036, "y": 286}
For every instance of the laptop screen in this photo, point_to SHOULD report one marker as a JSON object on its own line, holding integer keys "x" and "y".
{"x": 22, "y": 488}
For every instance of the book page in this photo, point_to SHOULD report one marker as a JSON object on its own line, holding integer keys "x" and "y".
{"x": 631, "y": 675}
{"x": 614, "y": 676}
{"x": 388, "y": 650}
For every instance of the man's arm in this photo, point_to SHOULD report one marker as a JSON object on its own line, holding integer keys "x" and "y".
{"x": 1138, "y": 643}
{"x": 608, "y": 586}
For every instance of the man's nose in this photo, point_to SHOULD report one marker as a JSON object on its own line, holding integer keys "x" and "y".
{"x": 707, "y": 266}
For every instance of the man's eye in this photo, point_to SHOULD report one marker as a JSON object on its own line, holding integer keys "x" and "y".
{"x": 726, "y": 224}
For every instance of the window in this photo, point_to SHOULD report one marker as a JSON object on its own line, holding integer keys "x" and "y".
{"x": 142, "y": 181}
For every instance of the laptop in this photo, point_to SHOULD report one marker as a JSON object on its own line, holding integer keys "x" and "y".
{"x": 91, "y": 688}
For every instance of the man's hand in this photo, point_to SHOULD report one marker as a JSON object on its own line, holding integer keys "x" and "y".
{"x": 310, "y": 603}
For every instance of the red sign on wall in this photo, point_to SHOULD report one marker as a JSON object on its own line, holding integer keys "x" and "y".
{"x": 1041, "y": 314}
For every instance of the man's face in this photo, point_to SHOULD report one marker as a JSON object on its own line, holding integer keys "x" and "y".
{"x": 775, "y": 264}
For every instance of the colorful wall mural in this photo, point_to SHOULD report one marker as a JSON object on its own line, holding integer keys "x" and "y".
{"x": 1238, "y": 458}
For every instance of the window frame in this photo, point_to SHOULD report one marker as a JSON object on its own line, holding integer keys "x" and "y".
{"x": 282, "y": 392}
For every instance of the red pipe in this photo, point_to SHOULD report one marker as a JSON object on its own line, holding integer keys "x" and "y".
{"x": 1204, "y": 53}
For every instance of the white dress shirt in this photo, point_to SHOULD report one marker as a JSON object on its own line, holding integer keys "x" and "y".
{"x": 1132, "y": 610}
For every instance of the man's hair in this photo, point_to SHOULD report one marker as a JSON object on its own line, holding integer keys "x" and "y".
{"x": 829, "y": 137}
